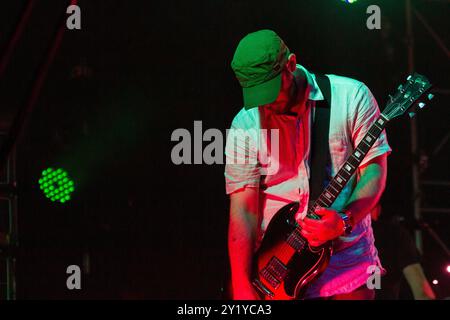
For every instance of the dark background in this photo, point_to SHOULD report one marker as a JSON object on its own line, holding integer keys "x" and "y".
{"x": 152, "y": 229}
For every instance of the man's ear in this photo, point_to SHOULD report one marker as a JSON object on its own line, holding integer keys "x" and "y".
{"x": 291, "y": 63}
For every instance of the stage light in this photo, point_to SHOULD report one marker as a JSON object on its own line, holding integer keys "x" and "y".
{"x": 56, "y": 185}
{"x": 448, "y": 268}
{"x": 435, "y": 281}
{"x": 349, "y": 1}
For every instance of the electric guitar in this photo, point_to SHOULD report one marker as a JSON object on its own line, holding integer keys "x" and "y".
{"x": 285, "y": 264}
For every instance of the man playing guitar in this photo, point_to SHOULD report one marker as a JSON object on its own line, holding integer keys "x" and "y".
{"x": 281, "y": 94}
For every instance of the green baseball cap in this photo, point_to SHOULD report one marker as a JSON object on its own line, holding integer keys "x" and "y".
{"x": 257, "y": 63}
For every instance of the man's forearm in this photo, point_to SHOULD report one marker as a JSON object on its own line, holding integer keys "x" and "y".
{"x": 369, "y": 189}
{"x": 241, "y": 242}
{"x": 418, "y": 283}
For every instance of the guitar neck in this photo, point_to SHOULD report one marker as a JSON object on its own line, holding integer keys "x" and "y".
{"x": 337, "y": 184}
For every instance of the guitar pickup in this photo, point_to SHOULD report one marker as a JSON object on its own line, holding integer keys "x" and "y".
{"x": 296, "y": 241}
{"x": 274, "y": 272}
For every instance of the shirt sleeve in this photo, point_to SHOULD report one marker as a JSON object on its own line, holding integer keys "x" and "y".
{"x": 242, "y": 168}
{"x": 364, "y": 112}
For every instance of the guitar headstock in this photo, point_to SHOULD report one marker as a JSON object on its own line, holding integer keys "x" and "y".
{"x": 410, "y": 97}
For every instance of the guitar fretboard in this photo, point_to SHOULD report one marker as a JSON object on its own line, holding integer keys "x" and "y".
{"x": 337, "y": 184}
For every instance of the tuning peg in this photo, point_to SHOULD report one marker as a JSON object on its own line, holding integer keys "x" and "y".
{"x": 421, "y": 105}
{"x": 412, "y": 114}
{"x": 430, "y": 96}
{"x": 409, "y": 77}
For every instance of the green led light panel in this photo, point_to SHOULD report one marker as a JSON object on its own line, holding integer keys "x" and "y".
{"x": 56, "y": 185}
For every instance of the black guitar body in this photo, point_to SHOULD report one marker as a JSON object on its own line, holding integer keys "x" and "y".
{"x": 285, "y": 273}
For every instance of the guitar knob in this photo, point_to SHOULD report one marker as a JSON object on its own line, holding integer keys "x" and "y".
{"x": 412, "y": 114}
{"x": 409, "y": 77}
{"x": 430, "y": 96}
{"x": 421, "y": 105}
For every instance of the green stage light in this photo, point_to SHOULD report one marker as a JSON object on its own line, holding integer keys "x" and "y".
{"x": 56, "y": 185}
{"x": 349, "y": 1}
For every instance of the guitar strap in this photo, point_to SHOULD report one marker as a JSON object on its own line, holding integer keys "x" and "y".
{"x": 320, "y": 150}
